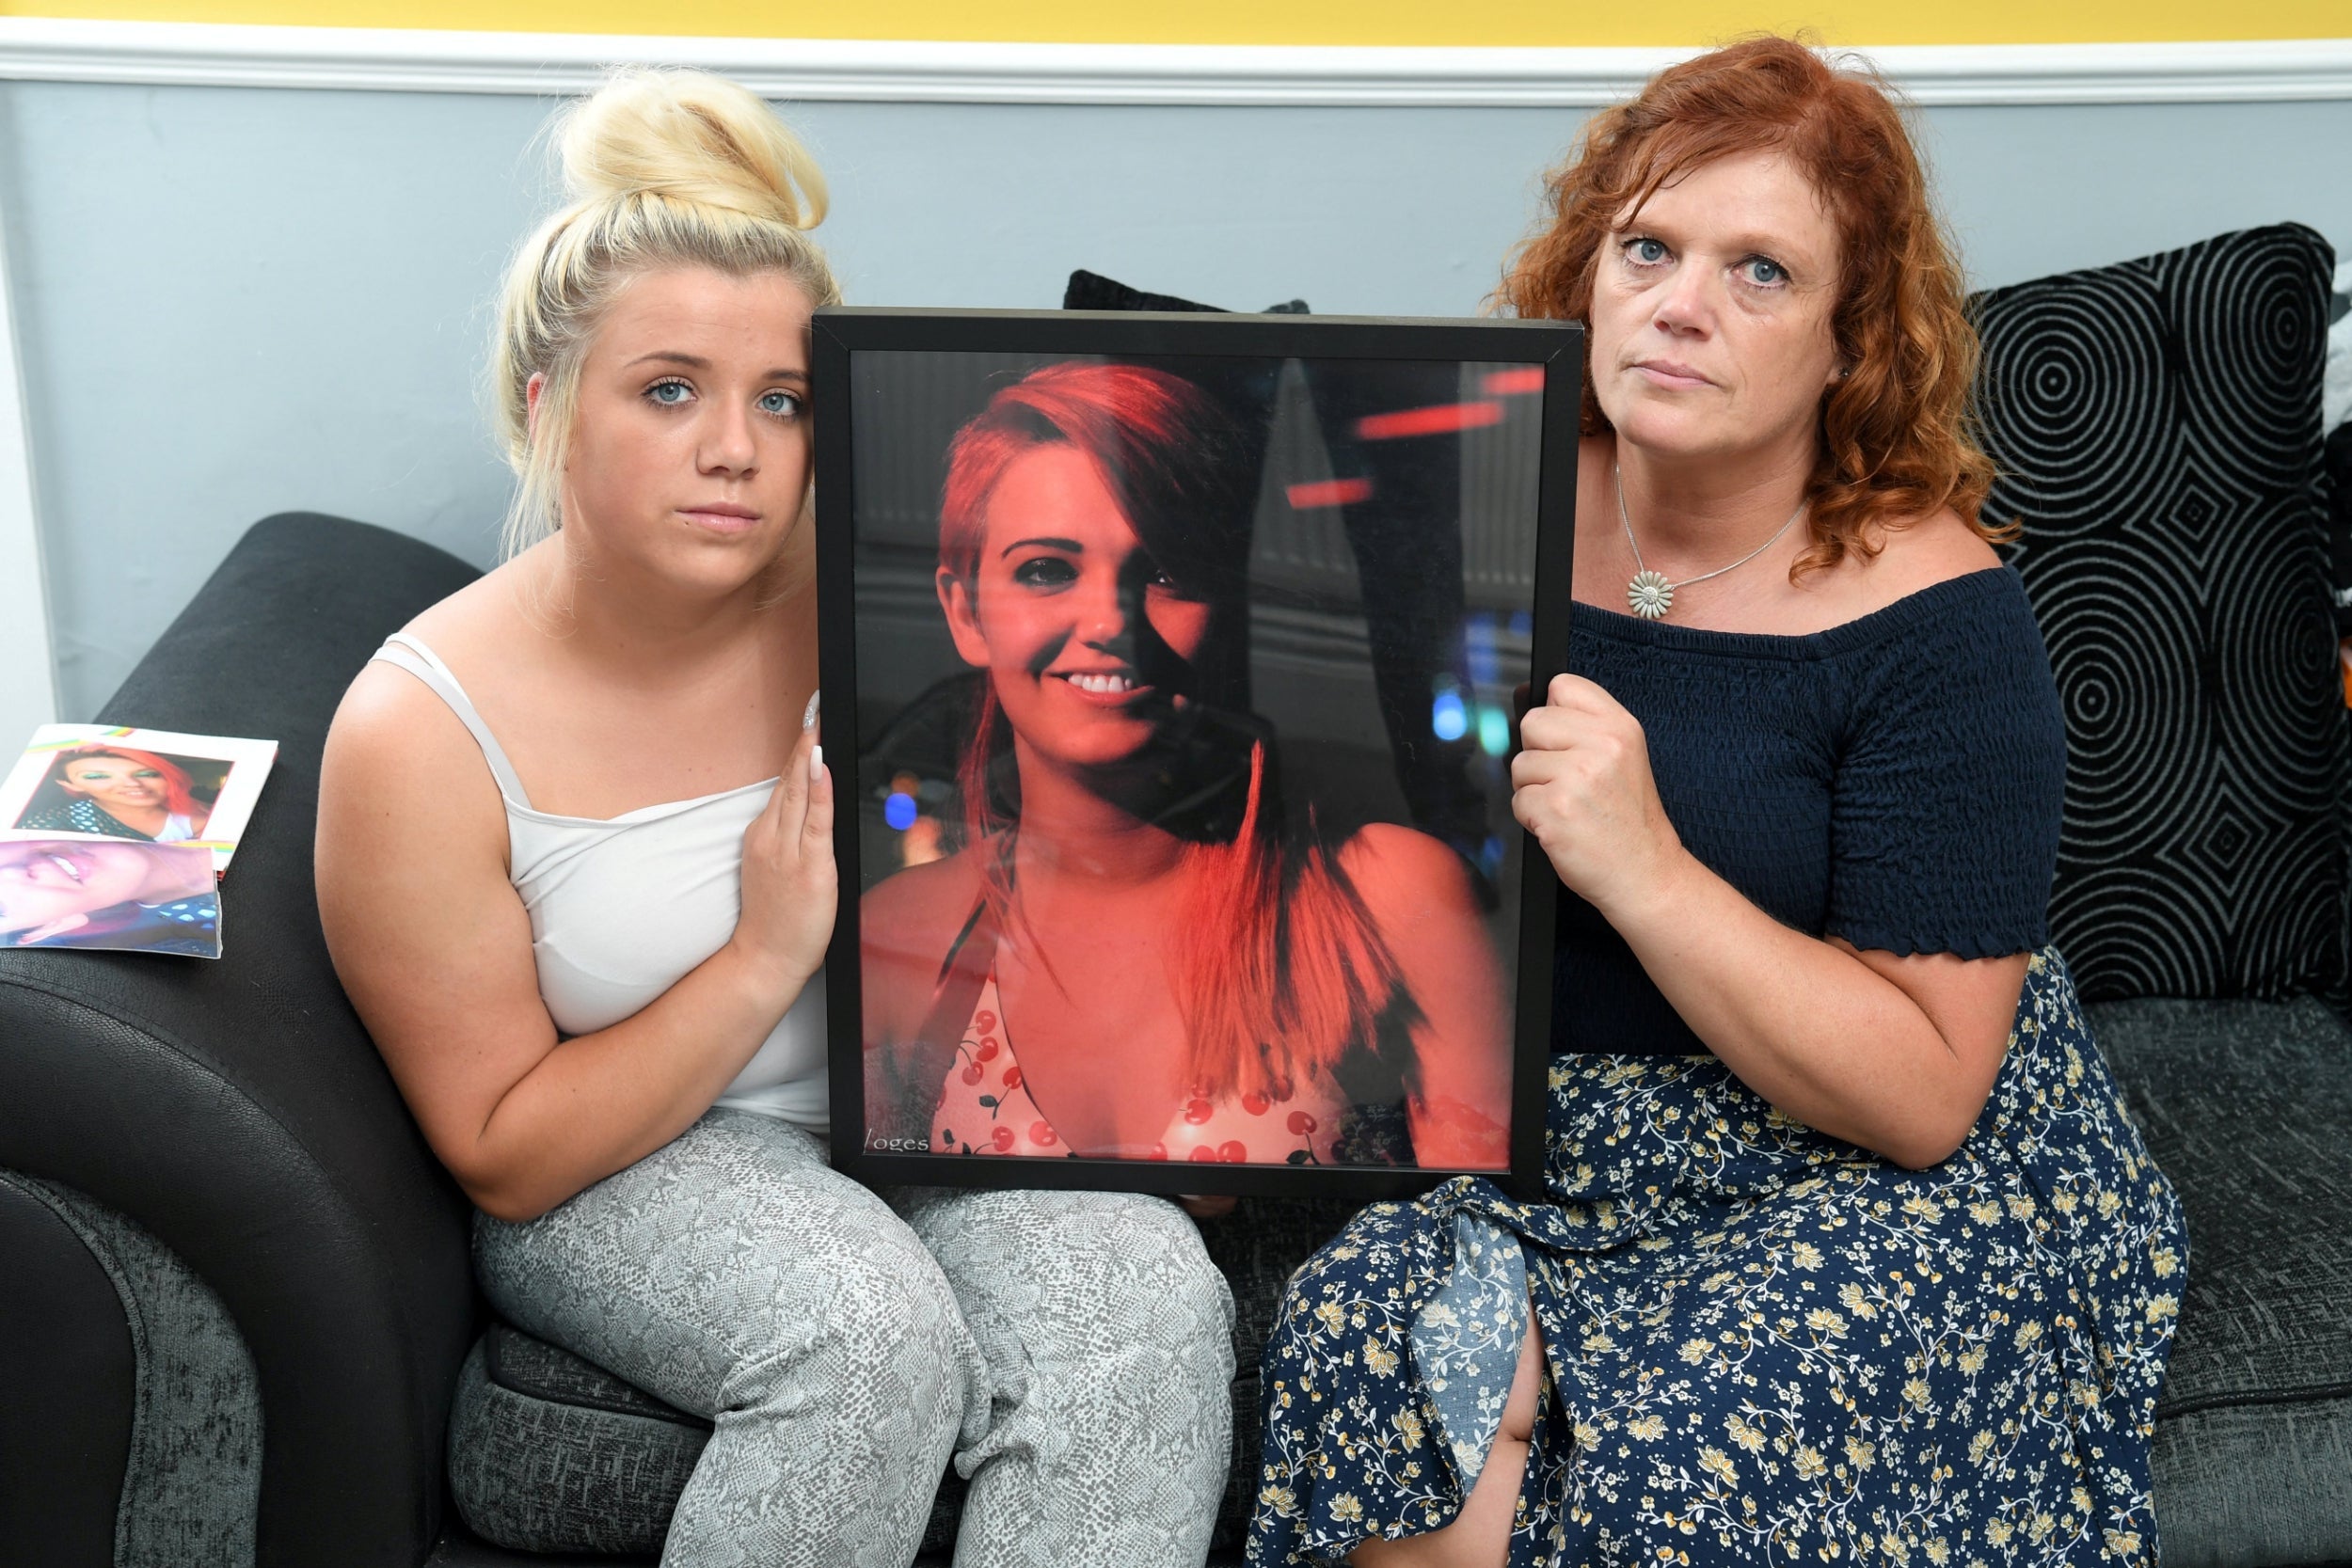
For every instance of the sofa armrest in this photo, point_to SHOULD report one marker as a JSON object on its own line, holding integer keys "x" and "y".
{"x": 237, "y": 1109}
{"x": 67, "y": 1377}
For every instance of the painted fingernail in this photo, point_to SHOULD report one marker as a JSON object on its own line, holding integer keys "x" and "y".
{"x": 816, "y": 761}
{"x": 808, "y": 715}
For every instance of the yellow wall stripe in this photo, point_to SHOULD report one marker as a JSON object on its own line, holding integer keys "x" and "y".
{"x": 1493, "y": 24}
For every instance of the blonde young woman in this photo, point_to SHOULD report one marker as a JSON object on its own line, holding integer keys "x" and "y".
{"x": 575, "y": 867}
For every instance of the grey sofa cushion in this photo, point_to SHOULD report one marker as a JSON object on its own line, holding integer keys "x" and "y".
{"x": 547, "y": 1453}
{"x": 192, "y": 1480}
{"x": 2247, "y": 1107}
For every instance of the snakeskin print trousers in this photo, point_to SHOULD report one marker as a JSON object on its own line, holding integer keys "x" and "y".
{"x": 1071, "y": 1350}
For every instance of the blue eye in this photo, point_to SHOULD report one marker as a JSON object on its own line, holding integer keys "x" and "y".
{"x": 1046, "y": 571}
{"x": 782, "y": 405}
{"x": 1645, "y": 252}
{"x": 662, "y": 392}
{"x": 1765, "y": 272}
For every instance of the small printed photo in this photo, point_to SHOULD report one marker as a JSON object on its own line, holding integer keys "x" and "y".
{"x": 113, "y": 893}
{"x": 152, "y": 786}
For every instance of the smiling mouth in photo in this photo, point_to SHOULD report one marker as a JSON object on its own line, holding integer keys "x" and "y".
{"x": 1113, "y": 690}
{"x": 69, "y": 867}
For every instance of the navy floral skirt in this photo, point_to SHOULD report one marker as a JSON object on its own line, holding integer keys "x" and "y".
{"x": 1764, "y": 1345}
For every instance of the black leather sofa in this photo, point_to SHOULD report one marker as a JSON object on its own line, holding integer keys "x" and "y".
{"x": 237, "y": 1111}
{"x": 235, "y": 1306}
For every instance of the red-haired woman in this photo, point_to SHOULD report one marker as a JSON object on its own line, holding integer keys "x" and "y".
{"x": 121, "y": 794}
{"x": 1137, "y": 952}
{"x": 1852, "y": 1254}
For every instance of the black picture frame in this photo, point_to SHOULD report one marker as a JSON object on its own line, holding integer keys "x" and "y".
{"x": 843, "y": 333}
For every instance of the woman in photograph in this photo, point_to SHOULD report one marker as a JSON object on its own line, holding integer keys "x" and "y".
{"x": 576, "y": 871}
{"x": 1852, "y": 1253}
{"x": 1137, "y": 952}
{"x": 73, "y": 893}
{"x": 119, "y": 793}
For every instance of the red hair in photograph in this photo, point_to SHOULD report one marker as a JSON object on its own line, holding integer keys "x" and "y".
{"x": 179, "y": 790}
{"x": 1282, "y": 970}
{"x": 1896, "y": 445}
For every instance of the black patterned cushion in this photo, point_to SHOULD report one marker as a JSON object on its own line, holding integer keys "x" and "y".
{"x": 1091, "y": 290}
{"x": 2340, "y": 521}
{"x": 2157, "y": 426}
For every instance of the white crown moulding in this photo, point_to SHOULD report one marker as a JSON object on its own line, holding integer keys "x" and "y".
{"x": 401, "y": 60}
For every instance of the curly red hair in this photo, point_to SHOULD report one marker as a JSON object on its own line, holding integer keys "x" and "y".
{"x": 1895, "y": 442}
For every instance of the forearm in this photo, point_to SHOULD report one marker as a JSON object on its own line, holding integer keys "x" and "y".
{"x": 598, "y": 1102}
{"x": 1804, "y": 1022}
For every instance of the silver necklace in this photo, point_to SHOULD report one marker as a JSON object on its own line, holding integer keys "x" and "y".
{"x": 1650, "y": 594}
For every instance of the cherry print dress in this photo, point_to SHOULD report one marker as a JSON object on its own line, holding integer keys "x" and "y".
{"x": 985, "y": 1108}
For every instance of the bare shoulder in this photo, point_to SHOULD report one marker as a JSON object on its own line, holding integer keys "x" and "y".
{"x": 1403, "y": 874}
{"x": 477, "y": 631}
{"x": 937, "y": 894}
{"x": 394, "y": 744}
{"x": 905, "y": 924}
{"x": 401, "y": 768}
{"x": 1919, "y": 555}
{"x": 481, "y": 628}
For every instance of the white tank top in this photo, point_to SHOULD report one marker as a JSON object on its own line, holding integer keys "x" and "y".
{"x": 621, "y": 909}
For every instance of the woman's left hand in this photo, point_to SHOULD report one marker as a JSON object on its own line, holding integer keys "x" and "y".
{"x": 1581, "y": 784}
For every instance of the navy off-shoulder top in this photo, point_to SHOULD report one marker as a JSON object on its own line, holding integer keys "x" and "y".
{"x": 1896, "y": 781}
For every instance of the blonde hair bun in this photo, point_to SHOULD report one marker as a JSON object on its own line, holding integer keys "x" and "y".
{"x": 688, "y": 136}
{"x": 662, "y": 168}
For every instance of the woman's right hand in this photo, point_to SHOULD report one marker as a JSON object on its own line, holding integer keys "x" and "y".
{"x": 790, "y": 887}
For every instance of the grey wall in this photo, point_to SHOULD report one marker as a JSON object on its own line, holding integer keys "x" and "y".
{"x": 235, "y": 301}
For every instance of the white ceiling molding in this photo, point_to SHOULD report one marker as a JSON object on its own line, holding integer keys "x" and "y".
{"x": 399, "y": 60}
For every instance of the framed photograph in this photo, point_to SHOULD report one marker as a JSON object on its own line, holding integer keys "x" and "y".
{"x": 1169, "y": 666}
{"x": 156, "y": 786}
